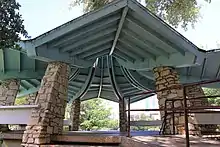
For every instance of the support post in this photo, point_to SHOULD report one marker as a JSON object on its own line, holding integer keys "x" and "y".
{"x": 173, "y": 118}
{"x": 122, "y": 116}
{"x": 75, "y": 115}
{"x": 129, "y": 117}
{"x": 186, "y": 117}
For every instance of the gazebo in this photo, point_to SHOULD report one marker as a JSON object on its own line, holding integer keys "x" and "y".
{"x": 111, "y": 53}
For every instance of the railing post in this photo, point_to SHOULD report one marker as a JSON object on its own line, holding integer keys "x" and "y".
{"x": 186, "y": 117}
{"x": 165, "y": 117}
{"x": 173, "y": 117}
{"x": 1, "y": 139}
{"x": 129, "y": 118}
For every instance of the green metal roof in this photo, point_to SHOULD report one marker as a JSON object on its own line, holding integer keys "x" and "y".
{"x": 109, "y": 80}
{"x": 124, "y": 29}
{"x": 112, "y": 52}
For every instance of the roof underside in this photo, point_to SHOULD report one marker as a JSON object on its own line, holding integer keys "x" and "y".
{"x": 112, "y": 52}
{"x": 125, "y": 29}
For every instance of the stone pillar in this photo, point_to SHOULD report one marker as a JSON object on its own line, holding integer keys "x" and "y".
{"x": 8, "y": 93}
{"x": 197, "y": 91}
{"x": 167, "y": 77}
{"x": 122, "y": 116}
{"x": 75, "y": 115}
{"x": 47, "y": 119}
{"x": 31, "y": 99}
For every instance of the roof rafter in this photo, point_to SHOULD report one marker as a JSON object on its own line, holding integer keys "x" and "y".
{"x": 120, "y": 25}
{"x": 160, "y": 37}
{"x": 145, "y": 43}
{"x": 141, "y": 52}
{"x": 94, "y": 51}
{"x": 87, "y": 30}
{"x": 80, "y": 21}
{"x": 96, "y": 55}
{"x": 126, "y": 55}
{"x": 89, "y": 38}
{"x": 94, "y": 45}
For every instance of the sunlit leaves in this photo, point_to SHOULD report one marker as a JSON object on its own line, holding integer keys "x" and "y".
{"x": 175, "y": 12}
{"x": 11, "y": 24}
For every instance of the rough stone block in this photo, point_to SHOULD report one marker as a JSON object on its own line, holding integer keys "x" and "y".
{"x": 30, "y": 140}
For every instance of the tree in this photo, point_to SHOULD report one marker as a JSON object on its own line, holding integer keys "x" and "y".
{"x": 175, "y": 12}
{"x": 11, "y": 24}
{"x": 95, "y": 115}
{"x": 20, "y": 101}
{"x": 210, "y": 92}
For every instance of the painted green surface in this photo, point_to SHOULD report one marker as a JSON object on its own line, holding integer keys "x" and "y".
{"x": 128, "y": 42}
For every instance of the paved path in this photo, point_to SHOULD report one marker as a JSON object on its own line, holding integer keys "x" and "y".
{"x": 176, "y": 141}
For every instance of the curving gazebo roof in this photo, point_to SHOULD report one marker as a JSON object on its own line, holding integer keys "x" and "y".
{"x": 111, "y": 52}
{"x": 124, "y": 29}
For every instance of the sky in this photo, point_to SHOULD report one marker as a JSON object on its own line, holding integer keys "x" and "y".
{"x": 41, "y": 16}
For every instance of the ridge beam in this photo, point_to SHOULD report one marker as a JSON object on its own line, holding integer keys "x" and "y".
{"x": 124, "y": 14}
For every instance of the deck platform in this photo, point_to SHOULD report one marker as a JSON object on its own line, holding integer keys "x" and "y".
{"x": 140, "y": 139}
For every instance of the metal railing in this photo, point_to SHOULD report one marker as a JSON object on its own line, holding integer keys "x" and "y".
{"x": 185, "y": 109}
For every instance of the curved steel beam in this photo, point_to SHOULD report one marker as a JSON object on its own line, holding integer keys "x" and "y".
{"x": 74, "y": 74}
{"x": 136, "y": 83}
{"x": 101, "y": 78}
{"x": 112, "y": 77}
{"x": 88, "y": 82}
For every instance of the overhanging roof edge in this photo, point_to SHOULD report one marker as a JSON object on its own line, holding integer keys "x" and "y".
{"x": 194, "y": 49}
{"x": 79, "y": 21}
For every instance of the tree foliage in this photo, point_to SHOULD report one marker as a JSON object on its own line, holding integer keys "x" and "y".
{"x": 175, "y": 12}
{"x": 95, "y": 115}
{"x": 11, "y": 24}
{"x": 210, "y": 92}
{"x": 20, "y": 101}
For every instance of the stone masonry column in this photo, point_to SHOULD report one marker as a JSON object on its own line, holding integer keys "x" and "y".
{"x": 8, "y": 93}
{"x": 197, "y": 91}
{"x": 47, "y": 119}
{"x": 75, "y": 115}
{"x": 167, "y": 77}
{"x": 122, "y": 116}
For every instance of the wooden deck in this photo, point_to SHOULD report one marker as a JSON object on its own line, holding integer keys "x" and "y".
{"x": 139, "y": 139}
